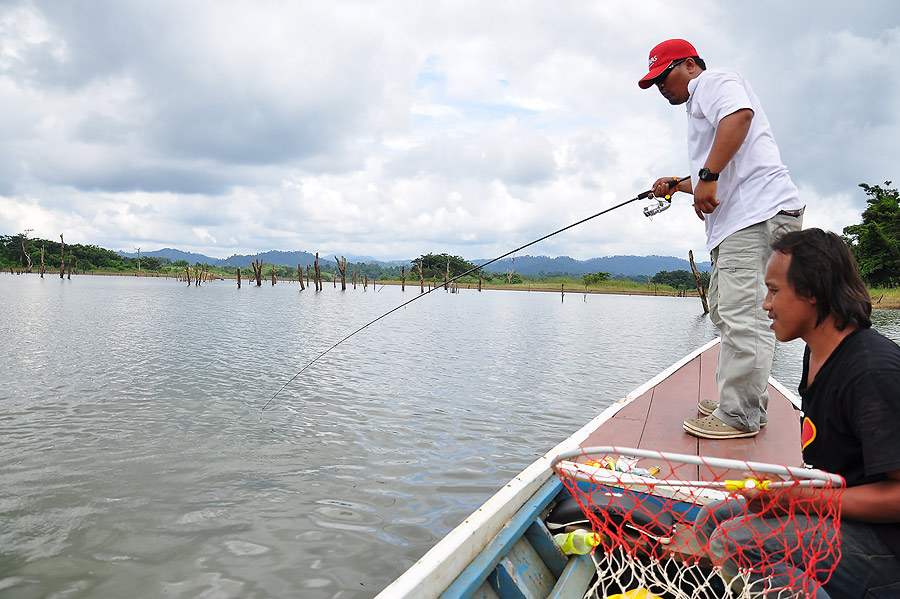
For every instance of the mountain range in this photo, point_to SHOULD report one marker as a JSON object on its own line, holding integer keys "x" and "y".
{"x": 526, "y": 265}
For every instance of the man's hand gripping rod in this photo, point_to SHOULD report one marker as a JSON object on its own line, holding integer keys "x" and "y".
{"x": 662, "y": 204}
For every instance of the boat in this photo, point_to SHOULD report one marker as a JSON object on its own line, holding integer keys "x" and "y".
{"x": 505, "y": 549}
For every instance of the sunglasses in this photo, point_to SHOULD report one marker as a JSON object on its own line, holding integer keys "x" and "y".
{"x": 661, "y": 78}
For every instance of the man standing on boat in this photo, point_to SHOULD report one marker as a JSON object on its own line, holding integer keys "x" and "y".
{"x": 850, "y": 392}
{"x": 744, "y": 194}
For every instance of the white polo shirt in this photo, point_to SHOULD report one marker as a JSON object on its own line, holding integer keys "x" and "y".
{"x": 755, "y": 185}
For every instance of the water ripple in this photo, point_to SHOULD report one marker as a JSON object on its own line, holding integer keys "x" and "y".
{"x": 135, "y": 459}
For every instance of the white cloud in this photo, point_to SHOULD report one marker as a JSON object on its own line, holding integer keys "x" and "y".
{"x": 392, "y": 129}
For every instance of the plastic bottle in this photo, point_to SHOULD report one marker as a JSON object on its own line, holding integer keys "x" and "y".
{"x": 577, "y": 542}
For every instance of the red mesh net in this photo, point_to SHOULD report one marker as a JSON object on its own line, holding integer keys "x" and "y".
{"x": 687, "y": 526}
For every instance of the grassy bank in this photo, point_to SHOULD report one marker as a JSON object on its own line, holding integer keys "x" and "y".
{"x": 885, "y": 298}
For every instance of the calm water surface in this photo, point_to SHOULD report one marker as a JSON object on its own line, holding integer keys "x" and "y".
{"x": 135, "y": 459}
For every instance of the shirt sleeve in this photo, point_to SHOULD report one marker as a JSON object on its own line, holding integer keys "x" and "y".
{"x": 876, "y": 404}
{"x": 723, "y": 94}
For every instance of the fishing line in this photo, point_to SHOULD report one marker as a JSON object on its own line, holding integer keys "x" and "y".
{"x": 649, "y": 211}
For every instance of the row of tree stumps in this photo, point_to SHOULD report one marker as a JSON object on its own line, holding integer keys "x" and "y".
{"x": 314, "y": 276}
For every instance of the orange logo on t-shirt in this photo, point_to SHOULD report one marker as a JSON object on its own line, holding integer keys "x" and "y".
{"x": 808, "y": 433}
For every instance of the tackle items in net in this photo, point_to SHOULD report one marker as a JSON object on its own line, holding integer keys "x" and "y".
{"x": 696, "y": 529}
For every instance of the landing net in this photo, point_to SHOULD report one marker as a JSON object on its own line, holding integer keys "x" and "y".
{"x": 685, "y": 527}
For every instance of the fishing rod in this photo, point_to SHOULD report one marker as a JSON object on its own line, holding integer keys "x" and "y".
{"x": 655, "y": 208}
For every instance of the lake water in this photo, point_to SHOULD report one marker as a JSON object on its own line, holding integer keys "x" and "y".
{"x": 136, "y": 460}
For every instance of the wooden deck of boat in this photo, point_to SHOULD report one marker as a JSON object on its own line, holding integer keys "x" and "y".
{"x": 654, "y": 420}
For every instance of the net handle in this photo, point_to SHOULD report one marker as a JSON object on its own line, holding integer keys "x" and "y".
{"x": 817, "y": 476}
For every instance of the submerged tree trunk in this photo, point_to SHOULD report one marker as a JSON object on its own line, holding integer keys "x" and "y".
{"x": 62, "y": 256}
{"x": 342, "y": 267}
{"x": 447, "y": 275}
{"x": 318, "y": 273}
{"x": 421, "y": 279}
{"x": 700, "y": 289}
{"x": 26, "y": 254}
{"x": 257, "y": 271}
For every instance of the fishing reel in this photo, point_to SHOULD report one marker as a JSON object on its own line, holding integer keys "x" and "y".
{"x": 658, "y": 205}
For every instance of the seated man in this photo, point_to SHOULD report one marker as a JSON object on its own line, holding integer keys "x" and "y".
{"x": 850, "y": 392}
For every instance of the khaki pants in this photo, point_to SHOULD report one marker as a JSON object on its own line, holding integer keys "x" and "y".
{"x": 737, "y": 290}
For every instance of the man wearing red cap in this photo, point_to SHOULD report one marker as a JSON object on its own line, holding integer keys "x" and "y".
{"x": 744, "y": 195}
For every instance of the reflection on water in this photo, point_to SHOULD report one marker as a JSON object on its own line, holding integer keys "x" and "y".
{"x": 135, "y": 458}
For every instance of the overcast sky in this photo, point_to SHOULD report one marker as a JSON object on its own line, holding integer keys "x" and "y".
{"x": 392, "y": 129}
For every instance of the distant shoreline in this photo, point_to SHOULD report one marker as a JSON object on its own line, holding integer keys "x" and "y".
{"x": 892, "y": 303}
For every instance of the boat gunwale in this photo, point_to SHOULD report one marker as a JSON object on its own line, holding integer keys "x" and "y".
{"x": 439, "y": 567}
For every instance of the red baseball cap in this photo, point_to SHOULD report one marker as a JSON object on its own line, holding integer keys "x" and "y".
{"x": 664, "y": 54}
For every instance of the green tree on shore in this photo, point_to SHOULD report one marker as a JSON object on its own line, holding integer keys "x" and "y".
{"x": 876, "y": 241}
{"x": 595, "y": 278}
{"x": 680, "y": 279}
{"x": 435, "y": 265}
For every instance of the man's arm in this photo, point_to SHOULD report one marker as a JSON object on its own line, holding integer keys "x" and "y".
{"x": 730, "y": 134}
{"x": 874, "y": 502}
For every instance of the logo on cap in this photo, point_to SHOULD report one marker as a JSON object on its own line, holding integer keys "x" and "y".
{"x": 653, "y": 59}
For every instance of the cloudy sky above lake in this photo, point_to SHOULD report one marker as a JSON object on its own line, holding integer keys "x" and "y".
{"x": 392, "y": 129}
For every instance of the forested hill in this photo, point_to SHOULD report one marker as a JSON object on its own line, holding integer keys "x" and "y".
{"x": 271, "y": 257}
{"x": 525, "y": 265}
{"x": 278, "y": 257}
{"x": 616, "y": 265}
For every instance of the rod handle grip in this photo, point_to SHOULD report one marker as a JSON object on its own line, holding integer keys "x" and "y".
{"x": 672, "y": 184}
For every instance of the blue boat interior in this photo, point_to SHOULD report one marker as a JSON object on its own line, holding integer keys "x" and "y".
{"x": 523, "y": 561}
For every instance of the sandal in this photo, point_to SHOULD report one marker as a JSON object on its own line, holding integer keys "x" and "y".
{"x": 713, "y": 428}
{"x": 708, "y": 406}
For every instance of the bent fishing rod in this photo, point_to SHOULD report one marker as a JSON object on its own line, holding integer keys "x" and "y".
{"x": 660, "y": 205}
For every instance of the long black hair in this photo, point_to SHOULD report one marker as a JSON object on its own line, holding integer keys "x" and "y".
{"x": 822, "y": 268}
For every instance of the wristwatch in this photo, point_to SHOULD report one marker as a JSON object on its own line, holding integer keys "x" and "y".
{"x": 707, "y": 175}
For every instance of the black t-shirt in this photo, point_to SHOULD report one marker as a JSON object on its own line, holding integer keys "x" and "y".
{"x": 852, "y": 414}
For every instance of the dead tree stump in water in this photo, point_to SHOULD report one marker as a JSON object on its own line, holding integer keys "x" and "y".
{"x": 273, "y": 275}
{"x": 62, "y": 256}
{"x": 318, "y": 273}
{"x": 42, "y": 262}
{"x": 421, "y": 278}
{"x": 342, "y": 267}
{"x": 300, "y": 277}
{"x": 447, "y": 274}
{"x": 700, "y": 289}
{"x": 257, "y": 271}
{"x": 239, "y": 278}
{"x": 402, "y": 278}
{"x": 26, "y": 254}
